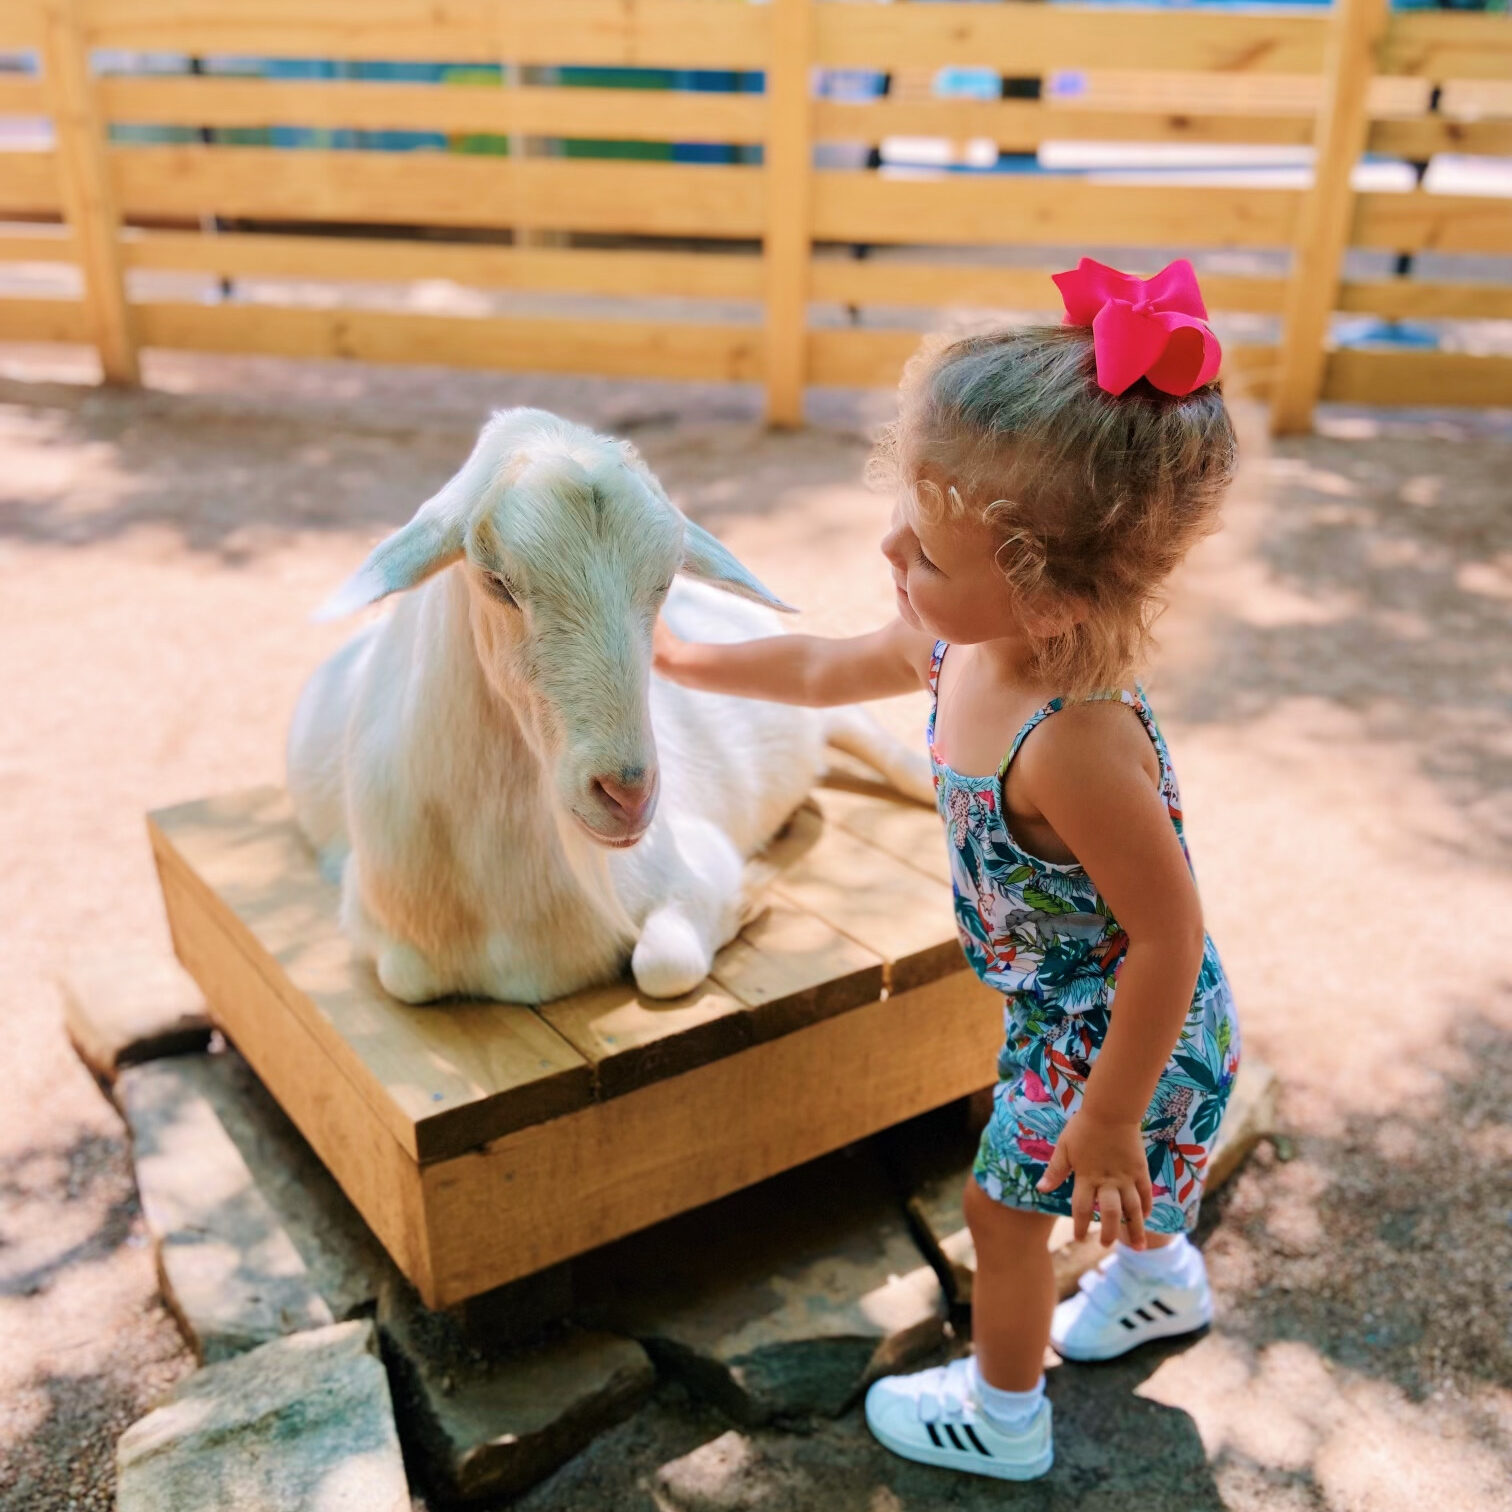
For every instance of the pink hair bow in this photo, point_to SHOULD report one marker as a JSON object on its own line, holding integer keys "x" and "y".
{"x": 1153, "y": 328}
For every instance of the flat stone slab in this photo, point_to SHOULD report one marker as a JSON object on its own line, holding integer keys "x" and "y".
{"x": 490, "y": 1423}
{"x": 303, "y": 1424}
{"x": 227, "y": 1265}
{"x": 123, "y": 1007}
{"x": 782, "y": 1300}
{"x": 935, "y": 1201}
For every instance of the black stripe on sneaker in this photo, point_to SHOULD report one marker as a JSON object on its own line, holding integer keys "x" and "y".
{"x": 1143, "y": 1314}
{"x": 934, "y": 1435}
{"x": 1170, "y": 1312}
{"x": 971, "y": 1433}
{"x": 1129, "y": 1323}
{"x": 950, "y": 1430}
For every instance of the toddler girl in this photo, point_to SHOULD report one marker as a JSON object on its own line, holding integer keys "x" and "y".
{"x": 1048, "y": 480}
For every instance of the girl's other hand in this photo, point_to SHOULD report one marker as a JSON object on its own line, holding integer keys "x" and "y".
{"x": 1112, "y": 1176}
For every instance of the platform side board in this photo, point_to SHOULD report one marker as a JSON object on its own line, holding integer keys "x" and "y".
{"x": 545, "y": 1193}
{"x": 440, "y": 1078}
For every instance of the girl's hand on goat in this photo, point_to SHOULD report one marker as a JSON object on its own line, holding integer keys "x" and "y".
{"x": 666, "y": 650}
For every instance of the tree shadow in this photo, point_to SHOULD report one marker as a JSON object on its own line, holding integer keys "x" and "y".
{"x": 1387, "y": 592}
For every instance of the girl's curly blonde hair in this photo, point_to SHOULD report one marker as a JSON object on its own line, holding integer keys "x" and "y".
{"x": 1093, "y": 497}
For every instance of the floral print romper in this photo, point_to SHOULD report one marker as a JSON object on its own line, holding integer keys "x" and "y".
{"x": 1040, "y": 932}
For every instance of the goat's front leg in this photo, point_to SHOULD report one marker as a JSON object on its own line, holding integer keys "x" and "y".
{"x": 687, "y": 894}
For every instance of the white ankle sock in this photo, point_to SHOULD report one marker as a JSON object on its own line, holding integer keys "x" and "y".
{"x": 1007, "y": 1409}
{"x": 1172, "y": 1262}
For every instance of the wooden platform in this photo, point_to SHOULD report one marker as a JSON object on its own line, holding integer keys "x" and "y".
{"x": 484, "y": 1141}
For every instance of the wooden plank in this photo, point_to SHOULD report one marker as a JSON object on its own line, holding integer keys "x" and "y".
{"x": 1020, "y": 37}
{"x": 1421, "y": 139}
{"x": 635, "y": 114}
{"x": 1408, "y": 299}
{"x": 1021, "y": 125}
{"x": 1322, "y": 229}
{"x": 43, "y": 244}
{"x": 499, "y": 1213}
{"x": 380, "y": 1178}
{"x": 791, "y": 969}
{"x": 882, "y": 281}
{"x": 29, "y": 184}
{"x": 706, "y": 275}
{"x": 609, "y": 348}
{"x": 440, "y": 189}
{"x": 900, "y": 914}
{"x": 908, "y": 832}
{"x": 1421, "y": 222}
{"x": 20, "y": 24}
{"x": 789, "y": 191}
{"x": 21, "y": 96}
{"x": 967, "y": 210}
{"x": 1440, "y": 47}
{"x": 439, "y": 1078}
{"x": 1361, "y": 376}
{"x": 43, "y": 320}
{"x": 860, "y": 358}
{"x": 88, "y": 197}
{"x": 671, "y": 33}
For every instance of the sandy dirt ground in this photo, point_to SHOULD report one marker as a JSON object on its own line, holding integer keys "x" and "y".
{"x": 1335, "y": 682}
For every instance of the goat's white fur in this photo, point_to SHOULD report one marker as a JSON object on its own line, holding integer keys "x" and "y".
{"x": 442, "y": 761}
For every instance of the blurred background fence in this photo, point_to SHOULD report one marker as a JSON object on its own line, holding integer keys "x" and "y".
{"x": 784, "y": 193}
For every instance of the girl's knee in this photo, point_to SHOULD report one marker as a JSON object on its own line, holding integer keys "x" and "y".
{"x": 993, "y": 1223}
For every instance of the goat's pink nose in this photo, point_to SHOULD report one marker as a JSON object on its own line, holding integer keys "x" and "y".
{"x": 629, "y": 792}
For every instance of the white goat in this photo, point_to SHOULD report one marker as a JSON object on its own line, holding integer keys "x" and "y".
{"x": 480, "y": 766}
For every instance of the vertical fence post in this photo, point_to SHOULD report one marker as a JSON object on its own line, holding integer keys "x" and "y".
{"x": 788, "y": 176}
{"x": 1327, "y": 212}
{"x": 87, "y": 194}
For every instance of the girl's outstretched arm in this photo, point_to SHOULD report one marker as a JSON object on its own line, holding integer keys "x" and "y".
{"x": 800, "y": 669}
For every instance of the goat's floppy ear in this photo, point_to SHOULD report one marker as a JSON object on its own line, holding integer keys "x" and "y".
{"x": 704, "y": 557}
{"x": 430, "y": 541}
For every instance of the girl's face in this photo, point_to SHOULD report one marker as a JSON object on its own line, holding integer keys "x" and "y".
{"x": 945, "y": 578}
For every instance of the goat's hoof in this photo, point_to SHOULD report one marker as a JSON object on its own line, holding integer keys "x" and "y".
{"x": 670, "y": 958}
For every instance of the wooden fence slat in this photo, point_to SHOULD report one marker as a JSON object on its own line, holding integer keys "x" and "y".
{"x": 609, "y": 348}
{"x": 1323, "y": 224}
{"x": 29, "y": 183}
{"x": 1407, "y": 299}
{"x": 1021, "y": 125}
{"x": 789, "y": 189}
{"x": 1359, "y": 376}
{"x": 637, "y": 114}
{"x": 87, "y": 193}
{"x": 20, "y": 25}
{"x": 966, "y": 285}
{"x": 1020, "y": 37}
{"x": 386, "y": 260}
{"x": 43, "y": 320}
{"x": 22, "y": 96}
{"x": 39, "y": 244}
{"x": 439, "y": 188}
{"x": 668, "y": 33}
{"x": 965, "y": 210}
{"x": 1420, "y": 139}
{"x": 1438, "y": 47}
{"x": 1419, "y": 222}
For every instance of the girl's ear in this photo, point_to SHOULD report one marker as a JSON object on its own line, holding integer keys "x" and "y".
{"x": 704, "y": 557}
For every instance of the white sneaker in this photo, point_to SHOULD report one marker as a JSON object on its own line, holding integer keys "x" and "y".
{"x": 932, "y": 1417}
{"x": 1118, "y": 1309}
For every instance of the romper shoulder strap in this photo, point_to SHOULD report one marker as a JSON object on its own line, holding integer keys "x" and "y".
{"x": 935, "y": 658}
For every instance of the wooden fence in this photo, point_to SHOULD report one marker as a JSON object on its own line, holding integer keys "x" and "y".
{"x": 771, "y": 237}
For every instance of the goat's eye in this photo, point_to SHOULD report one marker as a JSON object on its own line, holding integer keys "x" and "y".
{"x": 502, "y": 589}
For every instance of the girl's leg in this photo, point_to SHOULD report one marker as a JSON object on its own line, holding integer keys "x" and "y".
{"x": 1013, "y": 1295}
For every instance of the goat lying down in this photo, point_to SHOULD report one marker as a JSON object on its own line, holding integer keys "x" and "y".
{"x": 513, "y": 803}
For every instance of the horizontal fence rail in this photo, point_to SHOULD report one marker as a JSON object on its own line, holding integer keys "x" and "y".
{"x": 662, "y": 183}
